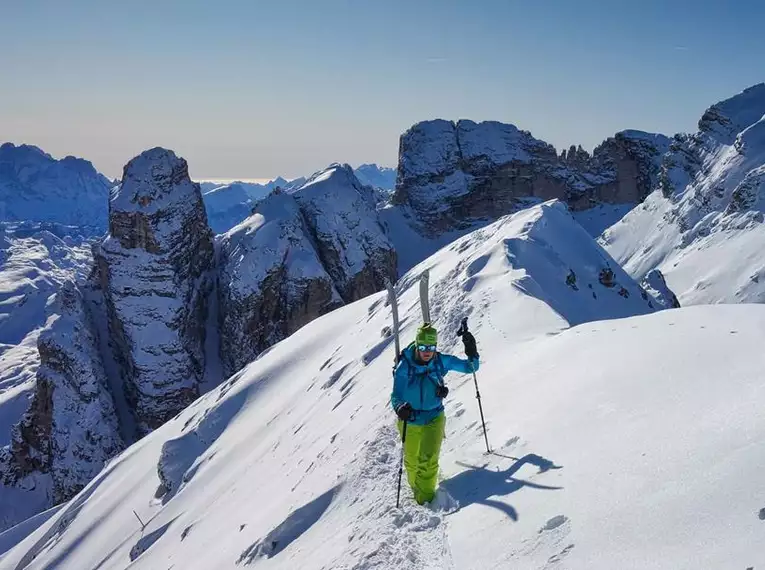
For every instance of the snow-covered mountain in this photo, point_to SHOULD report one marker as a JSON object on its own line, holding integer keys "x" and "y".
{"x": 271, "y": 281}
{"x": 352, "y": 244}
{"x": 229, "y": 204}
{"x": 600, "y": 461}
{"x": 137, "y": 334}
{"x": 226, "y": 206}
{"x": 154, "y": 268}
{"x": 703, "y": 225}
{"x": 35, "y": 187}
{"x": 454, "y": 175}
{"x": 34, "y": 265}
{"x": 377, "y": 176}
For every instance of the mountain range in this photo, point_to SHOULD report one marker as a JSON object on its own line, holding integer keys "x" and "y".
{"x": 178, "y": 318}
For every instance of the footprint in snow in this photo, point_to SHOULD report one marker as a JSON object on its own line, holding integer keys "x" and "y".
{"x": 553, "y": 523}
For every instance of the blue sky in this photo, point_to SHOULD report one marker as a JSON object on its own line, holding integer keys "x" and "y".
{"x": 248, "y": 89}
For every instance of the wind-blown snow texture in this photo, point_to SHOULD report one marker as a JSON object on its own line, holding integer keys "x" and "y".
{"x": 601, "y": 461}
{"x": 36, "y": 187}
{"x": 154, "y": 267}
{"x": 703, "y": 226}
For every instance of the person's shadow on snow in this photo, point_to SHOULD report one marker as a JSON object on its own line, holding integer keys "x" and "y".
{"x": 479, "y": 484}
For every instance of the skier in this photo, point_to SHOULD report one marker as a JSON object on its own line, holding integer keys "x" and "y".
{"x": 417, "y": 399}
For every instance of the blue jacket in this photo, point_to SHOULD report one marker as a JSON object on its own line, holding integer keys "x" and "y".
{"x": 416, "y": 383}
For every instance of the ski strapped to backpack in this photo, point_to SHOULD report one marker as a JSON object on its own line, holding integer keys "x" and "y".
{"x": 394, "y": 309}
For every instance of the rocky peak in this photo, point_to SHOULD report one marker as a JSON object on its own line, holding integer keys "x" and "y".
{"x": 723, "y": 121}
{"x": 153, "y": 269}
{"x": 340, "y": 214}
{"x": 454, "y": 174}
{"x": 70, "y": 429}
{"x": 270, "y": 282}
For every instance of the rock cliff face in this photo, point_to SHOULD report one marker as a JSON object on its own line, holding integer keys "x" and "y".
{"x": 71, "y": 427}
{"x": 350, "y": 241}
{"x": 153, "y": 268}
{"x": 300, "y": 255}
{"x": 453, "y": 174}
{"x": 270, "y": 281}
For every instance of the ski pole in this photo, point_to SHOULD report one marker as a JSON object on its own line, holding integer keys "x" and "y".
{"x": 480, "y": 409}
{"x": 463, "y": 329}
{"x": 401, "y": 463}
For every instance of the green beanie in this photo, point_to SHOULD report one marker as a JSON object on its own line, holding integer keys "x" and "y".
{"x": 426, "y": 334}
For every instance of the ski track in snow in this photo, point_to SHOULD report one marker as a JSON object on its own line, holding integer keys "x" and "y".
{"x": 383, "y": 536}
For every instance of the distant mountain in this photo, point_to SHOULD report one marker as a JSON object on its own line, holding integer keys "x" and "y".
{"x": 378, "y": 176}
{"x": 703, "y": 226}
{"x": 229, "y": 204}
{"x": 35, "y": 187}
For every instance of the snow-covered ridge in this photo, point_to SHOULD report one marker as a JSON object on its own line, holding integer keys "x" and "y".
{"x": 35, "y": 187}
{"x": 292, "y": 462}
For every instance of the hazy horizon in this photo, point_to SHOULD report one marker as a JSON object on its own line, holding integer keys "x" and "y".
{"x": 254, "y": 90}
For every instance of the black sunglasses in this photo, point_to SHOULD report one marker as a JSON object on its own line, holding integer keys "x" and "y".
{"x": 426, "y": 347}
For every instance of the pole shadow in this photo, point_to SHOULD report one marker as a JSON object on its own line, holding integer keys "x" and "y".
{"x": 478, "y": 484}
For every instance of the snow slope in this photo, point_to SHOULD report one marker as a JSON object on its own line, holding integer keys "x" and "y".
{"x": 703, "y": 227}
{"x": 36, "y": 187}
{"x": 636, "y": 441}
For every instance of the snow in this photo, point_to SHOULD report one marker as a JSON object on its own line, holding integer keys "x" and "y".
{"x": 32, "y": 268}
{"x": 274, "y": 235}
{"x": 146, "y": 181}
{"x": 703, "y": 228}
{"x": 600, "y": 217}
{"x": 495, "y": 142}
{"x": 342, "y": 213}
{"x": 726, "y": 119}
{"x": 38, "y": 188}
{"x": 627, "y": 443}
{"x": 437, "y": 148}
{"x": 226, "y": 206}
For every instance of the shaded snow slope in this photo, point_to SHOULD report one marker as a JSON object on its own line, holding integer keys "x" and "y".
{"x": 703, "y": 226}
{"x": 292, "y": 461}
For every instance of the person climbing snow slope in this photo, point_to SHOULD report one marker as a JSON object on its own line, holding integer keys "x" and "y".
{"x": 417, "y": 399}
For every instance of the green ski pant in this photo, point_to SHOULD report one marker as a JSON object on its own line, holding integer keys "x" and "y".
{"x": 421, "y": 451}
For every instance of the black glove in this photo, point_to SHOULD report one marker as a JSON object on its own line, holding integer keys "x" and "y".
{"x": 442, "y": 391}
{"x": 405, "y": 412}
{"x": 470, "y": 348}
